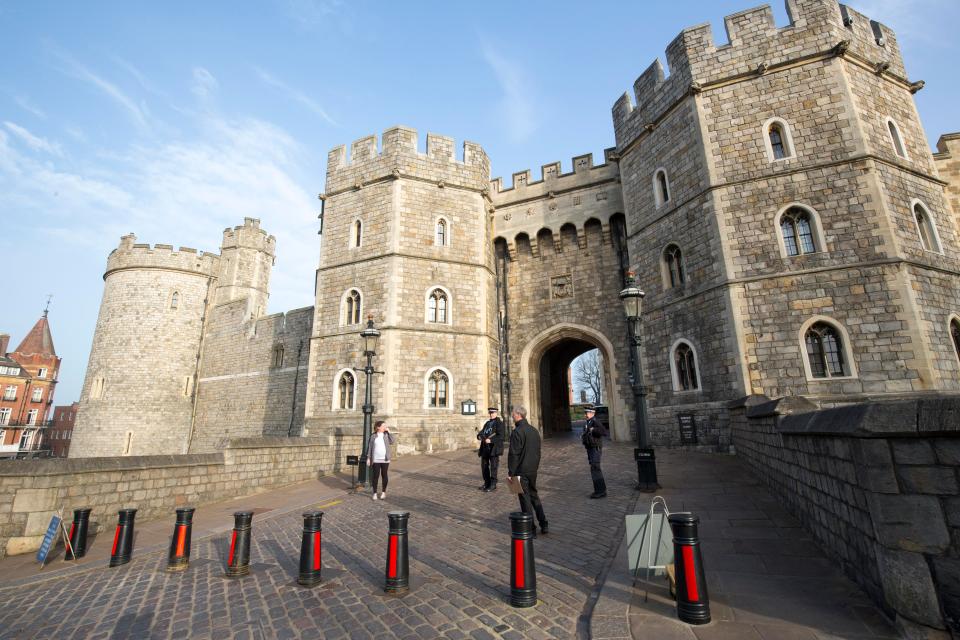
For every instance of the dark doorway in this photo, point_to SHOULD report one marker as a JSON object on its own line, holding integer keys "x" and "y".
{"x": 555, "y": 384}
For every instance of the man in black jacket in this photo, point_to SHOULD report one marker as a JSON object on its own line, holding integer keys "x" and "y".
{"x": 593, "y": 434}
{"x": 491, "y": 448}
{"x": 524, "y": 460}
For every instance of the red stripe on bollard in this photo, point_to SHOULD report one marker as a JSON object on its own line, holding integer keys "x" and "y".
{"x": 316, "y": 550}
{"x": 518, "y": 564}
{"x": 233, "y": 546}
{"x": 73, "y": 527}
{"x": 116, "y": 539}
{"x": 690, "y": 573}
{"x": 181, "y": 539}
{"x": 392, "y": 573}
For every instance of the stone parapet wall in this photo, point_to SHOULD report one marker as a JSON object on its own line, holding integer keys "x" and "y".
{"x": 877, "y": 485}
{"x": 32, "y": 490}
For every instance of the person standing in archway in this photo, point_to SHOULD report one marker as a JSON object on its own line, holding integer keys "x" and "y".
{"x": 593, "y": 434}
{"x": 491, "y": 448}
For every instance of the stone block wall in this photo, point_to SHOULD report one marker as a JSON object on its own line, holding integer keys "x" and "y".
{"x": 32, "y": 490}
{"x": 947, "y": 160}
{"x": 877, "y": 484}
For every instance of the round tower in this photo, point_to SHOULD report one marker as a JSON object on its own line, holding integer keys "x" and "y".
{"x": 137, "y": 398}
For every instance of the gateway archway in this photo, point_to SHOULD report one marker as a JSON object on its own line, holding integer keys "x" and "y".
{"x": 544, "y": 369}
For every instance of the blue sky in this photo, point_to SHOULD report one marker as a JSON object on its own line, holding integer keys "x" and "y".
{"x": 175, "y": 120}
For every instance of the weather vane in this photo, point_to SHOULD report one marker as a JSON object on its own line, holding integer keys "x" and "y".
{"x": 47, "y": 308}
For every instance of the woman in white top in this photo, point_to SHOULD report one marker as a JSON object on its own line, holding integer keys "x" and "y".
{"x": 379, "y": 451}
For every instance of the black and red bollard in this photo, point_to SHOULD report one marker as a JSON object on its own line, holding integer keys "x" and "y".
{"x": 78, "y": 534}
{"x": 123, "y": 538}
{"x": 179, "y": 557}
{"x": 398, "y": 561}
{"x": 310, "y": 564}
{"x": 693, "y": 603}
{"x": 523, "y": 571}
{"x": 238, "y": 562}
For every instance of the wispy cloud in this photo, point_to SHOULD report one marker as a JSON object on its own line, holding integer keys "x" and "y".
{"x": 311, "y": 13}
{"x": 516, "y": 106}
{"x": 138, "y": 113}
{"x": 34, "y": 142}
{"x": 205, "y": 86}
{"x": 295, "y": 95}
{"x": 141, "y": 78}
{"x": 28, "y": 106}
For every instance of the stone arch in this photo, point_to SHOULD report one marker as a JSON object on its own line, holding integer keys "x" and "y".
{"x": 523, "y": 247}
{"x": 560, "y": 344}
{"x": 568, "y": 237}
{"x": 593, "y": 232}
{"x": 545, "y": 242}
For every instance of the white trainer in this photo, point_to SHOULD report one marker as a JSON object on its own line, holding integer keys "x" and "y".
{"x": 374, "y": 496}
{"x": 383, "y": 495}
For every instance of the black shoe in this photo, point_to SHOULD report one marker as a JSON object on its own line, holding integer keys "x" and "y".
{"x": 491, "y": 488}
{"x": 483, "y": 488}
{"x": 544, "y": 530}
{"x": 598, "y": 495}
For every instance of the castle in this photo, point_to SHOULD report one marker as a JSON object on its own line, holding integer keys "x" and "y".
{"x": 775, "y": 196}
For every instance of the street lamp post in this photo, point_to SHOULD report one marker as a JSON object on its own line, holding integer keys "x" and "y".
{"x": 369, "y": 336}
{"x": 632, "y": 298}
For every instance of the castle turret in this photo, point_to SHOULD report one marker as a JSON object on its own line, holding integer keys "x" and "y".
{"x": 137, "y": 397}
{"x": 246, "y": 259}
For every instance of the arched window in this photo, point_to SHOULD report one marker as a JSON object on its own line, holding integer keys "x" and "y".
{"x": 895, "y": 139}
{"x": 175, "y": 300}
{"x": 925, "y": 228}
{"x": 352, "y": 307}
{"x": 278, "y": 356}
{"x": 955, "y": 335}
{"x": 437, "y": 306}
{"x": 684, "y": 367}
{"x": 345, "y": 388}
{"x": 356, "y": 234}
{"x": 442, "y": 233}
{"x": 825, "y": 351}
{"x": 673, "y": 266}
{"x": 437, "y": 389}
{"x": 797, "y": 230}
{"x": 661, "y": 187}
{"x": 777, "y": 139}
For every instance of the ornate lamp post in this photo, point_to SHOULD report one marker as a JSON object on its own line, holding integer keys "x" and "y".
{"x": 369, "y": 336}
{"x": 632, "y": 298}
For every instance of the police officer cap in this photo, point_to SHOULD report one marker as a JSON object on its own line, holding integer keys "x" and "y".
{"x": 590, "y": 408}
{"x": 492, "y": 409}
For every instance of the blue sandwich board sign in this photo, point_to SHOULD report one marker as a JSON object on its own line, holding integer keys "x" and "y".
{"x": 48, "y": 539}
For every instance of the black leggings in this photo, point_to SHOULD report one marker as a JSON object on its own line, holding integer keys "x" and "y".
{"x": 378, "y": 469}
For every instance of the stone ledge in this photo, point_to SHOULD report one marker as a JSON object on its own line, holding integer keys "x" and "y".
{"x": 56, "y": 467}
{"x": 273, "y": 442}
{"x": 926, "y": 417}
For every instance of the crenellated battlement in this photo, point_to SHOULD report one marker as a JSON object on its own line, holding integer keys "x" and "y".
{"x": 399, "y": 154}
{"x": 132, "y": 255}
{"x": 249, "y": 235}
{"x": 756, "y": 45}
{"x": 552, "y": 178}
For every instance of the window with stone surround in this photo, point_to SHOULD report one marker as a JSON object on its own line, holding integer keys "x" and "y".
{"x": 97, "y": 387}
{"x": 896, "y": 140}
{"x": 684, "y": 366}
{"x": 955, "y": 335}
{"x": 441, "y": 236}
{"x": 351, "y": 307}
{"x": 661, "y": 187}
{"x": 926, "y": 229}
{"x": 37, "y": 395}
{"x": 277, "y": 361}
{"x": 175, "y": 300}
{"x": 356, "y": 234}
{"x": 778, "y": 140}
{"x": 827, "y": 348}
{"x": 438, "y": 301}
{"x": 10, "y": 393}
{"x": 673, "y": 271}
{"x": 438, "y": 389}
{"x": 799, "y": 230}
{"x": 345, "y": 392}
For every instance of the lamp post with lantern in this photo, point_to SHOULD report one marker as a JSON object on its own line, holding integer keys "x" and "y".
{"x": 369, "y": 337}
{"x": 632, "y": 299}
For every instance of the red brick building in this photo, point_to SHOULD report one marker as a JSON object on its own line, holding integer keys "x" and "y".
{"x": 28, "y": 376}
{"x": 60, "y": 431}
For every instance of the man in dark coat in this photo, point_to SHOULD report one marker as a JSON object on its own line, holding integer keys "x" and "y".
{"x": 523, "y": 460}
{"x": 491, "y": 448}
{"x": 593, "y": 434}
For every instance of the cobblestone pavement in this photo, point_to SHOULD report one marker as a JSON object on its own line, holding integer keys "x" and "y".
{"x": 459, "y": 566}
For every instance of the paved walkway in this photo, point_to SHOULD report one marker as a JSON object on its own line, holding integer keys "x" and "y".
{"x": 459, "y": 549}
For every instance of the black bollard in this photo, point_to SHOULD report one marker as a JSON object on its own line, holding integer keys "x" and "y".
{"x": 310, "y": 564}
{"x": 398, "y": 561}
{"x": 179, "y": 557}
{"x": 523, "y": 571}
{"x": 238, "y": 562}
{"x": 693, "y": 603}
{"x": 78, "y": 534}
{"x": 123, "y": 538}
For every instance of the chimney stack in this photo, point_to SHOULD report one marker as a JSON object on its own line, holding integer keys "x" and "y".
{"x": 4, "y": 343}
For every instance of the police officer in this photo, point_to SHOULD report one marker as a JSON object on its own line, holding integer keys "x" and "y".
{"x": 593, "y": 434}
{"x": 491, "y": 448}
